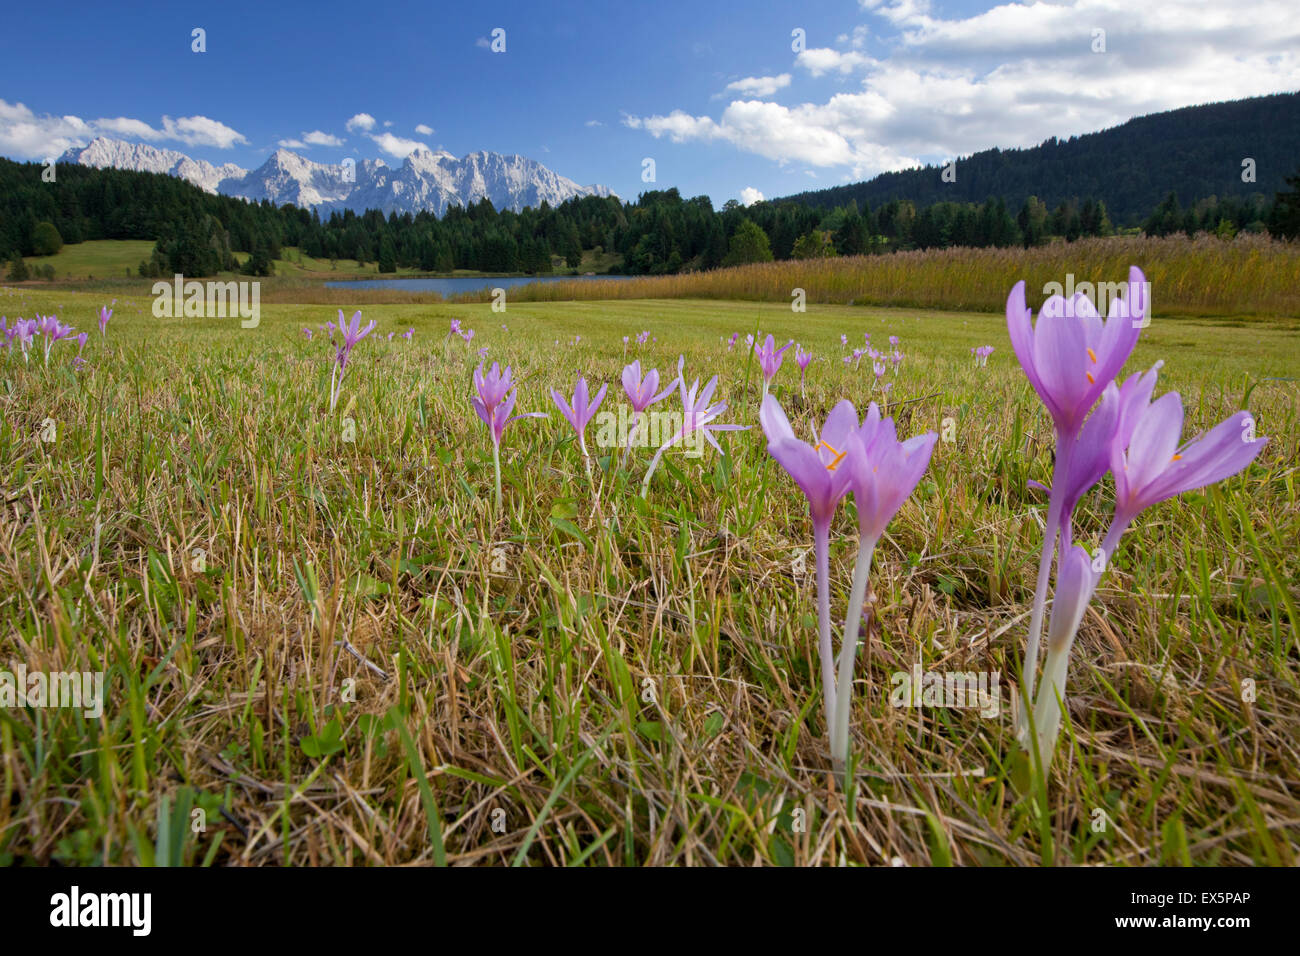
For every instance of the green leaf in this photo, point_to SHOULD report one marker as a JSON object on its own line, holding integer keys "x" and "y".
{"x": 571, "y": 529}
{"x": 328, "y": 741}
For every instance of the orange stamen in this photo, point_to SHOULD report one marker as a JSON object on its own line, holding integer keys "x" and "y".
{"x": 839, "y": 455}
{"x": 1092, "y": 355}
{"x": 1091, "y": 380}
{"x": 1177, "y": 458}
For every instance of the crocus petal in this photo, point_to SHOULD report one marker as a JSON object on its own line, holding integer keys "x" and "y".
{"x": 1060, "y": 356}
{"x": 1224, "y": 450}
{"x": 1155, "y": 438}
{"x": 1074, "y": 586}
{"x": 771, "y": 416}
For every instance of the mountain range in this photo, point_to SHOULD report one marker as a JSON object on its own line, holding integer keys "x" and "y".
{"x": 425, "y": 180}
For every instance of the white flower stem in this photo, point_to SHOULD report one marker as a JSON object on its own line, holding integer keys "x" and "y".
{"x": 1051, "y": 691}
{"x": 496, "y": 466}
{"x": 848, "y": 655}
{"x": 1054, "y": 502}
{"x": 822, "y": 546}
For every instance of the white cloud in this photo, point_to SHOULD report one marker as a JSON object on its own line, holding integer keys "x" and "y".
{"x": 397, "y": 146}
{"x": 593, "y": 123}
{"x": 1010, "y": 76}
{"x": 27, "y": 135}
{"x": 133, "y": 128}
{"x": 362, "y": 121}
{"x": 483, "y": 43}
{"x": 318, "y": 138}
{"x": 857, "y": 39}
{"x": 822, "y": 60}
{"x": 308, "y": 140}
{"x": 201, "y": 131}
{"x": 749, "y": 195}
{"x": 759, "y": 86}
{"x": 424, "y": 129}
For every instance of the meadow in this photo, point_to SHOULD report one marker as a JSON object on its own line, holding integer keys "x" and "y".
{"x": 318, "y": 632}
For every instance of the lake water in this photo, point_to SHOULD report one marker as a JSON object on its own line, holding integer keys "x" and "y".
{"x": 456, "y": 285}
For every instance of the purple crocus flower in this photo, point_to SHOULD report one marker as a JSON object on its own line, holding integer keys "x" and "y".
{"x": 493, "y": 386}
{"x": 105, "y": 313}
{"x": 882, "y": 474}
{"x": 352, "y": 333}
{"x": 468, "y": 336}
{"x": 823, "y": 476}
{"x": 1149, "y": 466}
{"x": 498, "y": 417}
{"x": 53, "y": 330}
{"x": 408, "y": 333}
{"x": 24, "y": 331}
{"x": 455, "y": 328}
{"x": 697, "y": 416}
{"x": 1071, "y": 354}
{"x": 307, "y": 332}
{"x": 844, "y": 340}
{"x": 1069, "y": 358}
{"x": 493, "y": 405}
{"x": 803, "y": 358}
{"x": 1152, "y": 466}
{"x": 78, "y": 363}
{"x": 770, "y": 359}
{"x": 641, "y": 394}
{"x": 583, "y": 409}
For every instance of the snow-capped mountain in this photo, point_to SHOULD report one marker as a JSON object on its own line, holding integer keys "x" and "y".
{"x": 119, "y": 154}
{"x": 425, "y": 180}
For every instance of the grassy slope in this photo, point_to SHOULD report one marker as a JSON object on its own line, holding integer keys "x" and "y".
{"x": 110, "y": 258}
{"x": 528, "y": 683}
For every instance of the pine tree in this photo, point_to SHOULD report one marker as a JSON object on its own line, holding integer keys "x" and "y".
{"x": 18, "y": 269}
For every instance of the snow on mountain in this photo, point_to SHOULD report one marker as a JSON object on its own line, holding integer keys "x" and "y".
{"x": 426, "y": 179}
{"x": 119, "y": 154}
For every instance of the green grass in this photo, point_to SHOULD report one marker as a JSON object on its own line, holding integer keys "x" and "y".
{"x": 102, "y": 259}
{"x": 98, "y": 259}
{"x": 367, "y": 663}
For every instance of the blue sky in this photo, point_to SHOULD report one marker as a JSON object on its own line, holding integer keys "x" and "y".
{"x": 714, "y": 92}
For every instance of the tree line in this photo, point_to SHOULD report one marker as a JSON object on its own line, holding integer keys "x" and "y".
{"x": 199, "y": 234}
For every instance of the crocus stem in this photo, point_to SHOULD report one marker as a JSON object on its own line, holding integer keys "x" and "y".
{"x": 334, "y": 394}
{"x": 636, "y": 423}
{"x": 1053, "y": 524}
{"x": 1047, "y": 708}
{"x": 496, "y": 466}
{"x": 822, "y": 547}
{"x": 1051, "y": 690}
{"x": 848, "y": 655}
{"x": 654, "y": 463}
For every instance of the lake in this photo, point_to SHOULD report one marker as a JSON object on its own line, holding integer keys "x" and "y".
{"x": 456, "y": 285}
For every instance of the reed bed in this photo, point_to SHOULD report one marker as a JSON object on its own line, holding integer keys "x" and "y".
{"x": 1250, "y": 275}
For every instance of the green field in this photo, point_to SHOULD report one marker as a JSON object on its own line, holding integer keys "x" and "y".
{"x": 102, "y": 259}
{"x": 316, "y": 629}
